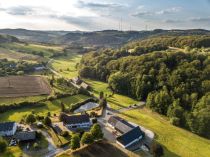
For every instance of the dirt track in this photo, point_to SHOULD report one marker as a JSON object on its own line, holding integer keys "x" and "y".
{"x": 18, "y": 86}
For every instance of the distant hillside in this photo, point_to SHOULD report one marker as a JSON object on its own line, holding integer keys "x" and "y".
{"x": 7, "y": 39}
{"x": 33, "y": 36}
{"x": 106, "y": 38}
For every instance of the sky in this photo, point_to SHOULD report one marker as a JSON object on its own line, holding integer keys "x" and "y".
{"x": 92, "y": 15}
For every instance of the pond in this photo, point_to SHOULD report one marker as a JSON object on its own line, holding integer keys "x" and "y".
{"x": 86, "y": 107}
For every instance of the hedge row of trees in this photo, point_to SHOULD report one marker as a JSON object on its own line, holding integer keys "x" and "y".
{"x": 5, "y": 108}
{"x": 16, "y": 68}
{"x": 175, "y": 84}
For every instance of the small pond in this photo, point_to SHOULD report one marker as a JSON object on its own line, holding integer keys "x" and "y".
{"x": 86, "y": 107}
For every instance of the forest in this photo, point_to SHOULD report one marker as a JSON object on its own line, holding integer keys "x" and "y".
{"x": 175, "y": 84}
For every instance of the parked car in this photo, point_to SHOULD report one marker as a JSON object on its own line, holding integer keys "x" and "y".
{"x": 13, "y": 142}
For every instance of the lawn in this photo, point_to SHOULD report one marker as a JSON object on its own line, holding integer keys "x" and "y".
{"x": 53, "y": 107}
{"x": 177, "y": 141}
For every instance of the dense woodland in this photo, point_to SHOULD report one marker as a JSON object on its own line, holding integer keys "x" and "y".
{"x": 175, "y": 84}
{"x": 16, "y": 68}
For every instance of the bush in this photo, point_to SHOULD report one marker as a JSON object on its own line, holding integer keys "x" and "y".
{"x": 157, "y": 150}
{"x": 35, "y": 145}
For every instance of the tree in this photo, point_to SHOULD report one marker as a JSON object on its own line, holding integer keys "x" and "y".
{"x": 47, "y": 121}
{"x": 75, "y": 141}
{"x": 61, "y": 117}
{"x": 30, "y": 119}
{"x": 103, "y": 102}
{"x": 157, "y": 150}
{"x": 62, "y": 107}
{"x": 96, "y": 131}
{"x": 101, "y": 95}
{"x": 87, "y": 138}
{"x": 3, "y": 145}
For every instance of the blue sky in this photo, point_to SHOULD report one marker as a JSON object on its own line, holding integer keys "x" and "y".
{"x": 89, "y": 15}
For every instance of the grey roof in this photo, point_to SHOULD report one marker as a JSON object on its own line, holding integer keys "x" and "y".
{"x": 77, "y": 80}
{"x": 6, "y": 126}
{"x": 76, "y": 119}
{"x": 25, "y": 135}
{"x": 130, "y": 136}
{"x": 120, "y": 124}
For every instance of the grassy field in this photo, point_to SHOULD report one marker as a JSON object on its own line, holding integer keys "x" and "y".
{"x": 33, "y": 48}
{"x": 66, "y": 66}
{"x": 53, "y": 107}
{"x": 116, "y": 101}
{"x": 177, "y": 141}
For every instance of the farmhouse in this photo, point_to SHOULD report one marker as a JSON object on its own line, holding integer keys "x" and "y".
{"x": 77, "y": 121}
{"x": 77, "y": 80}
{"x": 119, "y": 124}
{"x": 130, "y": 138}
{"x": 85, "y": 85}
{"x": 8, "y": 128}
{"x": 25, "y": 136}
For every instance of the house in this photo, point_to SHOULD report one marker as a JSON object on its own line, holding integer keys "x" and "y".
{"x": 39, "y": 68}
{"x": 8, "y": 128}
{"x": 76, "y": 80}
{"x": 119, "y": 124}
{"x": 25, "y": 136}
{"x": 85, "y": 85}
{"x": 130, "y": 138}
{"x": 57, "y": 129}
{"x": 77, "y": 121}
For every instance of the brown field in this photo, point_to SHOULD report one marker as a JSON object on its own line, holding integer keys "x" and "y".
{"x": 19, "y": 86}
{"x": 98, "y": 149}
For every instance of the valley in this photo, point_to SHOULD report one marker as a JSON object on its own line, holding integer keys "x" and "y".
{"x": 69, "y": 64}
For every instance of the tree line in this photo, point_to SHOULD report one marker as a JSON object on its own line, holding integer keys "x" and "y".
{"x": 175, "y": 84}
